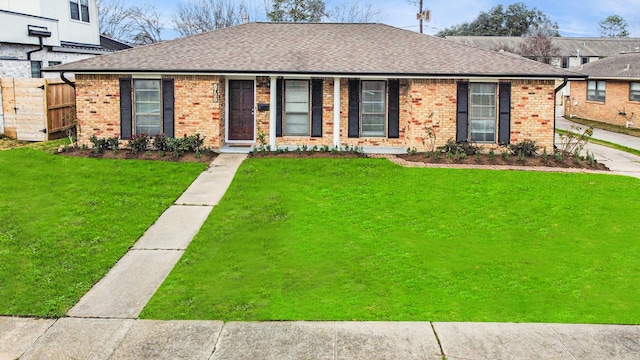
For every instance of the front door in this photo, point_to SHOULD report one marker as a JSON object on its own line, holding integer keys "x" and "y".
{"x": 241, "y": 110}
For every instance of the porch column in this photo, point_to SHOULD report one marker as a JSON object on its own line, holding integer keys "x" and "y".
{"x": 273, "y": 105}
{"x": 336, "y": 111}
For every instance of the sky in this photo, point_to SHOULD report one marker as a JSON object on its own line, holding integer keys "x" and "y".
{"x": 576, "y": 18}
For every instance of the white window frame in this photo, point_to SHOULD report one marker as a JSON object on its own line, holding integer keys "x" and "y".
{"x": 285, "y": 123}
{"x": 492, "y": 116}
{"x": 598, "y": 92}
{"x": 634, "y": 94}
{"x": 134, "y": 119}
{"x": 78, "y": 4}
{"x": 384, "y": 113}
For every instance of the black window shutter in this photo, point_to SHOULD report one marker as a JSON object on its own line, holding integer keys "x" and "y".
{"x": 316, "y": 108}
{"x": 167, "y": 107}
{"x": 278, "y": 90}
{"x": 504, "y": 119}
{"x": 126, "y": 107}
{"x": 394, "y": 108}
{"x": 354, "y": 108}
{"x": 462, "y": 112}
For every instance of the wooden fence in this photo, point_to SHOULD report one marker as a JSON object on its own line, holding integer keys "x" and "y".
{"x": 36, "y": 109}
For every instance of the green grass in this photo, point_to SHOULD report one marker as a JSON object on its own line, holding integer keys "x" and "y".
{"x": 606, "y": 126}
{"x": 65, "y": 221}
{"x": 364, "y": 239}
{"x": 606, "y": 143}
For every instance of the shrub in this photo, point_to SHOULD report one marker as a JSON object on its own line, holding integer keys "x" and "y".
{"x": 526, "y": 147}
{"x": 160, "y": 143}
{"x": 138, "y": 143}
{"x": 459, "y": 147}
{"x": 102, "y": 144}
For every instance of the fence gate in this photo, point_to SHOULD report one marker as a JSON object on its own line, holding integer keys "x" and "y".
{"x": 61, "y": 102}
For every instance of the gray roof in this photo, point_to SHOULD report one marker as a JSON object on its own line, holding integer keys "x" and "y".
{"x": 590, "y": 47}
{"x": 624, "y": 66}
{"x": 315, "y": 48}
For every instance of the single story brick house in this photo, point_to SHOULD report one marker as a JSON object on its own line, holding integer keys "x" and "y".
{"x": 612, "y": 93}
{"x": 368, "y": 85}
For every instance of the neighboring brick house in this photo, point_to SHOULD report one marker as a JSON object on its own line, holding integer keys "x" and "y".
{"x": 612, "y": 93}
{"x": 317, "y": 84}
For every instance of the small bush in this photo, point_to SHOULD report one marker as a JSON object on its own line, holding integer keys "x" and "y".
{"x": 138, "y": 143}
{"x": 160, "y": 143}
{"x": 526, "y": 147}
{"x": 102, "y": 144}
{"x": 459, "y": 147}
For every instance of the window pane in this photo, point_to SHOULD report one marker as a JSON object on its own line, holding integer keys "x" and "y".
{"x": 148, "y": 105}
{"x": 84, "y": 11}
{"x": 634, "y": 91}
{"x": 373, "y": 125}
{"x": 591, "y": 85}
{"x": 296, "y": 107}
{"x": 75, "y": 11}
{"x": 36, "y": 66}
{"x": 482, "y": 112}
{"x": 373, "y": 108}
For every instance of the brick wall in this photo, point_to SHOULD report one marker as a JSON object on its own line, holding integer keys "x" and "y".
{"x": 616, "y": 100}
{"x": 532, "y": 111}
{"x": 98, "y": 107}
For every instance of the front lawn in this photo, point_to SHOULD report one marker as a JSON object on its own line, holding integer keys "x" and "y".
{"x": 363, "y": 239}
{"x": 64, "y": 222}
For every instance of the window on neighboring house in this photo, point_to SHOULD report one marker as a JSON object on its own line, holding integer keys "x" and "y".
{"x": 147, "y": 110}
{"x": 634, "y": 91}
{"x": 585, "y": 60}
{"x": 374, "y": 109}
{"x": 296, "y": 108}
{"x": 482, "y": 112}
{"x": 596, "y": 90}
{"x": 565, "y": 62}
{"x": 79, "y": 10}
{"x": 36, "y": 66}
{"x": 54, "y": 63}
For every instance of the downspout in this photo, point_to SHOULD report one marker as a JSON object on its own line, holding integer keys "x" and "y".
{"x": 67, "y": 81}
{"x": 36, "y": 50}
{"x": 555, "y": 95}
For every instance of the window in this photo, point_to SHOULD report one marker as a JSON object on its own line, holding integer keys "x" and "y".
{"x": 54, "y": 63}
{"x": 482, "y": 112}
{"x": 36, "y": 66}
{"x": 296, "y": 108}
{"x": 147, "y": 107}
{"x": 596, "y": 90}
{"x": 634, "y": 91}
{"x": 374, "y": 108}
{"x": 565, "y": 62}
{"x": 79, "y": 10}
{"x": 585, "y": 60}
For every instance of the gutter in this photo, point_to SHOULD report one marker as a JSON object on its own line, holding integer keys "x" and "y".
{"x": 67, "y": 81}
{"x": 555, "y": 94}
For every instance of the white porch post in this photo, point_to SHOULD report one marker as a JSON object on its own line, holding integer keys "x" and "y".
{"x": 273, "y": 104}
{"x": 336, "y": 111}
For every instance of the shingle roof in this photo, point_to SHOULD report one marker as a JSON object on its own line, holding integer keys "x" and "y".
{"x": 315, "y": 48}
{"x": 624, "y": 66}
{"x": 567, "y": 46}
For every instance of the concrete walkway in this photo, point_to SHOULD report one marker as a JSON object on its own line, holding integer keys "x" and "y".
{"x": 75, "y": 338}
{"x": 129, "y": 285}
{"x": 619, "y": 162}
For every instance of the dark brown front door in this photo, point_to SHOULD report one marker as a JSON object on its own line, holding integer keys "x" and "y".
{"x": 241, "y": 110}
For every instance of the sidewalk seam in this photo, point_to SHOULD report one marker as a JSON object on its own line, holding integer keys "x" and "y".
{"x": 555, "y": 335}
{"x": 215, "y": 346}
{"x": 433, "y": 328}
{"x": 38, "y": 339}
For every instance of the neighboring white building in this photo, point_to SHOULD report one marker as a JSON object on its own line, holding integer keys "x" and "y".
{"x": 39, "y": 33}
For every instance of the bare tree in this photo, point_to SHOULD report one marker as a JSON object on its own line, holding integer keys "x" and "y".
{"x": 146, "y": 25}
{"x": 354, "y": 12}
{"x": 198, "y": 16}
{"x": 114, "y": 19}
{"x": 538, "y": 44}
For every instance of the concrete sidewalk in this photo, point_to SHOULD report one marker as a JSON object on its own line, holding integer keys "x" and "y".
{"x": 620, "y": 139}
{"x": 130, "y": 284}
{"x": 75, "y": 338}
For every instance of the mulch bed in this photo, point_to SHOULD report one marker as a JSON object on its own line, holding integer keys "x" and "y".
{"x": 484, "y": 160}
{"x": 307, "y": 154}
{"x": 205, "y": 157}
